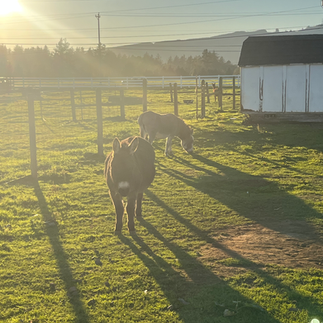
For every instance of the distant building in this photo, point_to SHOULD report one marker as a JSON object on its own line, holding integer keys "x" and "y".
{"x": 282, "y": 77}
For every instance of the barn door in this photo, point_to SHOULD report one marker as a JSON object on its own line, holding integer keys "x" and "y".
{"x": 316, "y": 88}
{"x": 250, "y": 80}
{"x": 272, "y": 89}
{"x": 296, "y": 86}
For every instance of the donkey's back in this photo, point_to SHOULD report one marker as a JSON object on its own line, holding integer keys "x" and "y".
{"x": 159, "y": 126}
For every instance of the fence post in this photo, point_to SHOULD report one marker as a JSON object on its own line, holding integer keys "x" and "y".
{"x": 41, "y": 106}
{"x": 207, "y": 92}
{"x": 215, "y": 90}
{"x": 32, "y": 135}
{"x": 73, "y": 105}
{"x": 203, "y": 98}
{"x": 234, "y": 92}
{"x": 99, "y": 121}
{"x": 175, "y": 100}
{"x": 122, "y": 109}
{"x": 144, "y": 95}
{"x": 171, "y": 92}
{"x": 220, "y": 93}
{"x": 81, "y": 104}
{"x": 197, "y": 98}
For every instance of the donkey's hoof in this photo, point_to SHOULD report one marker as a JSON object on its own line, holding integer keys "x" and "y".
{"x": 132, "y": 232}
{"x": 117, "y": 232}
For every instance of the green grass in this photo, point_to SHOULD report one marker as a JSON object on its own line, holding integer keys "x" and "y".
{"x": 52, "y": 232}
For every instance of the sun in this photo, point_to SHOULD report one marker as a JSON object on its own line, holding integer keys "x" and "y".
{"x": 9, "y": 6}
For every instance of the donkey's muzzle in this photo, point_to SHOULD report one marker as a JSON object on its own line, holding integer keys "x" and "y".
{"x": 123, "y": 191}
{"x": 123, "y": 188}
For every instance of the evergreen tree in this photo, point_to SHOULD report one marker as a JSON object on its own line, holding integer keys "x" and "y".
{"x": 64, "y": 61}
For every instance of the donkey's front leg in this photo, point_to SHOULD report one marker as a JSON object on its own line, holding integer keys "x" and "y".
{"x": 138, "y": 207}
{"x": 131, "y": 212}
{"x": 152, "y": 135}
{"x": 118, "y": 205}
{"x": 143, "y": 133}
{"x": 168, "y": 147}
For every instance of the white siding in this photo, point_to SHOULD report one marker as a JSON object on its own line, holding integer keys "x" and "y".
{"x": 292, "y": 88}
{"x": 273, "y": 91}
{"x": 295, "y": 88}
{"x": 316, "y": 89}
{"x": 250, "y": 88}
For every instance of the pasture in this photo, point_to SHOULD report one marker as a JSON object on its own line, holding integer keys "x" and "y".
{"x": 232, "y": 233}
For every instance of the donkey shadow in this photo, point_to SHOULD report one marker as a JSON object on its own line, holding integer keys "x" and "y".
{"x": 184, "y": 291}
{"x": 201, "y": 278}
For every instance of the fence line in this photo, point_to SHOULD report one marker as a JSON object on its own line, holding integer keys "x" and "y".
{"x": 18, "y": 83}
{"x": 35, "y": 94}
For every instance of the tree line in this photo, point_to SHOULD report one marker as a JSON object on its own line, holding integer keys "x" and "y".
{"x": 65, "y": 61}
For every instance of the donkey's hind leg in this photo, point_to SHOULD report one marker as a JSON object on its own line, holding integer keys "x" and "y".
{"x": 168, "y": 147}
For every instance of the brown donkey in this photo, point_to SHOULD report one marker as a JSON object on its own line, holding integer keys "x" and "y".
{"x": 168, "y": 126}
{"x": 129, "y": 170}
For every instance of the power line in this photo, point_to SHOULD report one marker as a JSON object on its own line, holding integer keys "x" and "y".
{"x": 172, "y": 15}
{"x": 218, "y": 37}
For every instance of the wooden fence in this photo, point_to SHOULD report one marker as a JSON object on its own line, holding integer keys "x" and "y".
{"x": 203, "y": 91}
{"x": 19, "y": 83}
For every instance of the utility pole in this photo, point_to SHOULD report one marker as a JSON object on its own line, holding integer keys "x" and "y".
{"x": 98, "y": 16}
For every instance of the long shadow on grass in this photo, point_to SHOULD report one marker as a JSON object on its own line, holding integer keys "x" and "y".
{"x": 61, "y": 257}
{"x": 310, "y": 304}
{"x": 250, "y": 196}
{"x": 177, "y": 287}
{"x": 291, "y": 135}
{"x": 307, "y": 135}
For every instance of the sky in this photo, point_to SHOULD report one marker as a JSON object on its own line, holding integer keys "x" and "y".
{"x": 31, "y": 23}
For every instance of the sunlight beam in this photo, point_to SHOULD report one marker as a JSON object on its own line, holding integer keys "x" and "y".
{"x": 9, "y": 7}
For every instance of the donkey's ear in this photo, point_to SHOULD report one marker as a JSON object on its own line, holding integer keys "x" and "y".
{"x": 116, "y": 145}
{"x": 134, "y": 145}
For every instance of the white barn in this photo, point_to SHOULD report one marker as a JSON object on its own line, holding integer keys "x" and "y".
{"x": 282, "y": 77}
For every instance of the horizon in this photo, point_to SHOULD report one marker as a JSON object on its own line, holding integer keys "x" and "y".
{"x": 32, "y": 23}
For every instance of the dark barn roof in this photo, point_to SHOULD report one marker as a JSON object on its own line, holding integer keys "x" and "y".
{"x": 281, "y": 50}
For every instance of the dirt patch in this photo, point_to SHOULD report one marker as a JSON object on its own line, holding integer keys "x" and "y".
{"x": 293, "y": 244}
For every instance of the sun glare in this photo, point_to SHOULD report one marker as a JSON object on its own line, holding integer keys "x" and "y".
{"x": 9, "y": 6}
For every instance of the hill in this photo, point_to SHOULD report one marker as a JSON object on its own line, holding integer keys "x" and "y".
{"x": 227, "y": 45}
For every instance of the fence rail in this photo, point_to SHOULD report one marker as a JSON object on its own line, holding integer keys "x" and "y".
{"x": 18, "y": 83}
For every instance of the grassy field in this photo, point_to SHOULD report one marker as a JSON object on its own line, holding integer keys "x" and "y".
{"x": 232, "y": 233}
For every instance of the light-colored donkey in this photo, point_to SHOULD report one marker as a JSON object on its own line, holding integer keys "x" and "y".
{"x": 160, "y": 126}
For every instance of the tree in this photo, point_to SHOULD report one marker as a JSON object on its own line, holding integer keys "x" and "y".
{"x": 63, "y": 48}
{"x": 64, "y": 61}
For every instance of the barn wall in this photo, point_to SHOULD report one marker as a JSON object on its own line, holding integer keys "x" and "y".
{"x": 316, "y": 89}
{"x": 292, "y": 88}
{"x": 296, "y": 88}
{"x": 250, "y": 78}
{"x": 273, "y": 91}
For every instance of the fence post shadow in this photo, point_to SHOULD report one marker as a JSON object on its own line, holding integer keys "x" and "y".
{"x": 66, "y": 275}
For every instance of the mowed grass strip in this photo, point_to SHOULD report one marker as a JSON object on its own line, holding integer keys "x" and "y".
{"x": 231, "y": 233}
